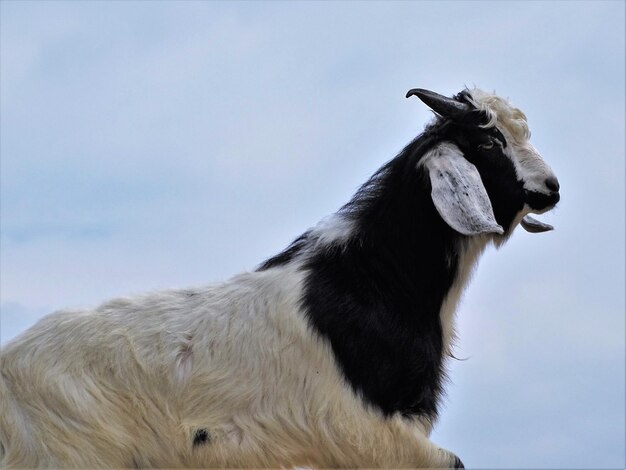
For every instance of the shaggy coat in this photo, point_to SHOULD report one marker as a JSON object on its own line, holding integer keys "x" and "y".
{"x": 330, "y": 354}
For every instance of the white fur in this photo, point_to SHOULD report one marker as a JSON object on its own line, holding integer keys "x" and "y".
{"x": 470, "y": 252}
{"x": 334, "y": 229}
{"x": 128, "y": 384}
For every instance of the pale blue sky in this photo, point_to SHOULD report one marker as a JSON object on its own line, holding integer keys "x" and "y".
{"x": 165, "y": 144}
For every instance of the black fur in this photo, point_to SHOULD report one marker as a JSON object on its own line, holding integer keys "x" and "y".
{"x": 540, "y": 201}
{"x": 201, "y": 436}
{"x": 377, "y": 297}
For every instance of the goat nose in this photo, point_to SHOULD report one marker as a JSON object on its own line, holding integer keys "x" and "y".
{"x": 552, "y": 184}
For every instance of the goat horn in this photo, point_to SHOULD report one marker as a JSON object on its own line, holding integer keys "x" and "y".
{"x": 440, "y": 104}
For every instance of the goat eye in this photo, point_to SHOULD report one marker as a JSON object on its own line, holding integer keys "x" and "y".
{"x": 486, "y": 146}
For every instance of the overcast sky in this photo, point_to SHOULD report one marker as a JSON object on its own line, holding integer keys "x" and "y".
{"x": 164, "y": 144}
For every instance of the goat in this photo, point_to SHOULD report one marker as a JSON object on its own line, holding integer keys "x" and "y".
{"x": 330, "y": 354}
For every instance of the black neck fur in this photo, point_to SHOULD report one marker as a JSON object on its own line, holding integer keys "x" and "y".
{"x": 377, "y": 296}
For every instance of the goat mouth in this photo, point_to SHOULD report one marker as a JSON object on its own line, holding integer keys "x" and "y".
{"x": 541, "y": 202}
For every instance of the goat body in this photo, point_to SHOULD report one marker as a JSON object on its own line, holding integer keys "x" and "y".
{"x": 330, "y": 354}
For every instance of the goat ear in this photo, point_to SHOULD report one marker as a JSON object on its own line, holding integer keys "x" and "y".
{"x": 458, "y": 192}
